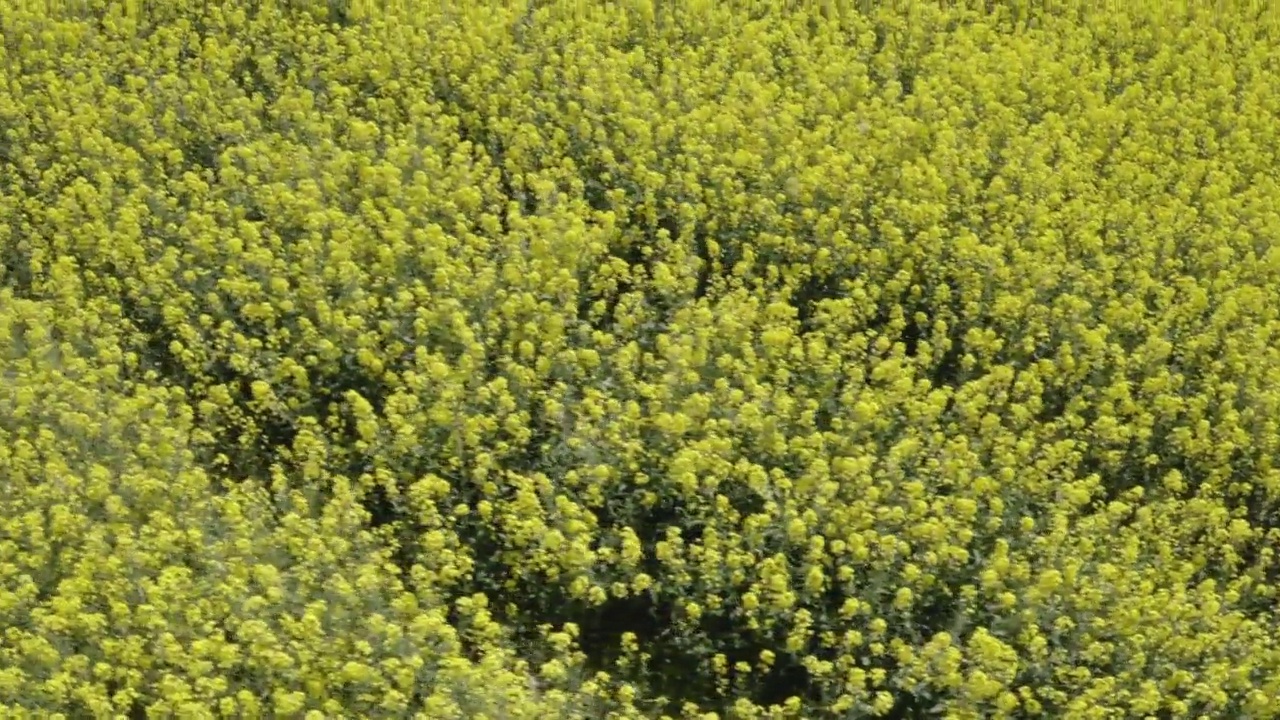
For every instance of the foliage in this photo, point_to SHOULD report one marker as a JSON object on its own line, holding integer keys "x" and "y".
{"x": 496, "y": 360}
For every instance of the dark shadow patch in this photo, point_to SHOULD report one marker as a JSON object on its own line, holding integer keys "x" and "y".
{"x": 816, "y": 288}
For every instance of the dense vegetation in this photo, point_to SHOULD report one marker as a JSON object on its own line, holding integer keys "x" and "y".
{"x": 475, "y": 361}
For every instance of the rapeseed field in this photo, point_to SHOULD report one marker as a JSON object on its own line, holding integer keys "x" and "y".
{"x": 643, "y": 359}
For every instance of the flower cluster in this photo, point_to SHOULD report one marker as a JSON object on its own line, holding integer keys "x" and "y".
{"x": 531, "y": 360}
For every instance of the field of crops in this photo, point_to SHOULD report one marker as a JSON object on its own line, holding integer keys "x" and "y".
{"x": 638, "y": 360}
